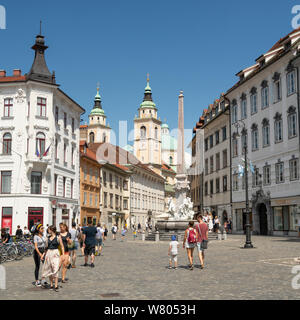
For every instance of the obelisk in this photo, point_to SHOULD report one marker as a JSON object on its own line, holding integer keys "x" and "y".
{"x": 180, "y": 149}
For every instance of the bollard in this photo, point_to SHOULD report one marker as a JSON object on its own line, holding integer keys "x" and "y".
{"x": 143, "y": 236}
{"x": 225, "y": 235}
{"x": 157, "y": 236}
{"x": 219, "y": 235}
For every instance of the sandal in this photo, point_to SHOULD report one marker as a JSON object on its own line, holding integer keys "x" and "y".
{"x": 56, "y": 289}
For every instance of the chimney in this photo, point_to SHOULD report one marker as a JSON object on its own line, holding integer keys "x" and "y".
{"x": 2, "y": 73}
{"x": 17, "y": 73}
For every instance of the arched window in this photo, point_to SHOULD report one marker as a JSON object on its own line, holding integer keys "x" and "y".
{"x": 266, "y": 132}
{"x": 92, "y": 137}
{"x": 234, "y": 112}
{"x": 264, "y": 94}
{"x": 171, "y": 161}
{"x": 143, "y": 132}
{"x": 253, "y": 100}
{"x": 40, "y": 143}
{"x": 7, "y": 140}
{"x": 156, "y": 133}
{"x": 244, "y": 106}
{"x": 254, "y": 136}
{"x": 104, "y": 137}
{"x": 278, "y": 127}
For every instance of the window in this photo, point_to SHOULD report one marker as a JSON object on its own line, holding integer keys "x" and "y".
{"x": 40, "y": 144}
{"x": 224, "y": 133}
{"x": 116, "y": 182}
{"x": 279, "y": 168}
{"x": 267, "y": 175}
{"x": 234, "y": 147}
{"x": 212, "y": 187}
{"x": 266, "y": 133}
{"x": 56, "y": 148}
{"x": 65, "y": 153}
{"x": 254, "y": 137}
{"x": 206, "y": 144}
{"x": 244, "y": 107}
{"x": 234, "y": 115}
{"x": 92, "y": 137}
{"x": 65, "y": 120}
{"x": 264, "y": 95}
{"x": 42, "y": 107}
{"x": 111, "y": 201}
{"x": 96, "y": 200}
{"x": 56, "y": 115}
{"x": 105, "y": 200}
{"x": 91, "y": 199}
{"x": 225, "y": 159}
{"x": 278, "y": 128}
{"x": 211, "y": 164}
{"x": 294, "y": 169}
{"x": 218, "y": 185}
{"x": 6, "y": 182}
{"x": 206, "y": 188}
{"x": 64, "y": 186}
{"x": 8, "y": 107}
{"x": 255, "y": 178}
{"x": 253, "y": 101}
{"x": 73, "y": 125}
{"x": 55, "y": 184}
{"x": 7, "y": 141}
{"x": 36, "y": 183}
{"x": 72, "y": 155}
{"x": 218, "y": 165}
{"x": 225, "y": 184}
{"x": 277, "y": 91}
{"x": 125, "y": 204}
{"x": 85, "y": 173}
{"x": 72, "y": 188}
{"x": 104, "y": 179}
{"x": 156, "y": 133}
{"x": 217, "y": 137}
{"x": 84, "y": 198}
{"x": 211, "y": 141}
{"x": 291, "y": 83}
{"x": 206, "y": 167}
{"x": 244, "y": 141}
{"x": 235, "y": 182}
{"x": 171, "y": 161}
{"x": 104, "y": 137}
{"x": 125, "y": 185}
{"x": 143, "y": 132}
{"x": 292, "y": 122}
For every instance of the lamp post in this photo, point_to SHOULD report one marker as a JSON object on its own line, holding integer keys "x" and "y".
{"x": 248, "y": 243}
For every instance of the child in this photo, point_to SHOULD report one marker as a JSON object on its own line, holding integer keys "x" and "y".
{"x": 123, "y": 234}
{"x": 173, "y": 252}
{"x": 134, "y": 234}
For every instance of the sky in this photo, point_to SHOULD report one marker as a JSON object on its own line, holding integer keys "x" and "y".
{"x": 193, "y": 45}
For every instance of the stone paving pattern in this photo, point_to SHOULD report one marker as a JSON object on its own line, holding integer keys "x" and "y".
{"x": 138, "y": 270}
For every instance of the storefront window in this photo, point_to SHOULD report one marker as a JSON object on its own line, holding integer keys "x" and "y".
{"x": 278, "y": 219}
{"x": 294, "y": 215}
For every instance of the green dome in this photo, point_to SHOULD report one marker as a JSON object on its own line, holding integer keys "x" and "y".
{"x": 97, "y": 112}
{"x": 148, "y": 101}
{"x": 148, "y": 104}
{"x": 168, "y": 142}
{"x": 165, "y": 126}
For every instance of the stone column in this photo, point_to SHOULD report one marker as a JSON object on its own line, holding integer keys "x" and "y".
{"x": 180, "y": 149}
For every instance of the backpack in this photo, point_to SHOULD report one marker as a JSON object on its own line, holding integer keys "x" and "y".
{"x": 192, "y": 238}
{"x": 33, "y": 229}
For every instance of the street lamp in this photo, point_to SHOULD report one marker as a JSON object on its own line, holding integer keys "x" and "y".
{"x": 241, "y": 124}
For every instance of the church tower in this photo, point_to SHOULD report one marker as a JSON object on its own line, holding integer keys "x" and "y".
{"x": 98, "y": 130}
{"x": 147, "y": 131}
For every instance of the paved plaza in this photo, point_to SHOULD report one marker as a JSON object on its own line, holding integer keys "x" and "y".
{"x": 137, "y": 270}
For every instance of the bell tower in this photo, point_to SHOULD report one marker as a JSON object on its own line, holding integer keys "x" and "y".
{"x": 147, "y": 130}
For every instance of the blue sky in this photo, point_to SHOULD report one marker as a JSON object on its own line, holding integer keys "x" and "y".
{"x": 193, "y": 45}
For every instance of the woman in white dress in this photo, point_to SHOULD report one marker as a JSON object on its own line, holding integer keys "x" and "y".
{"x": 210, "y": 223}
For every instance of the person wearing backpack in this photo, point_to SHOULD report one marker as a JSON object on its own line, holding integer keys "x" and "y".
{"x": 190, "y": 242}
{"x": 202, "y": 239}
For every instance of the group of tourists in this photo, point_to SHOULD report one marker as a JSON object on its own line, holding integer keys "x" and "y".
{"x": 195, "y": 237}
{"x": 56, "y": 251}
{"x": 214, "y": 223}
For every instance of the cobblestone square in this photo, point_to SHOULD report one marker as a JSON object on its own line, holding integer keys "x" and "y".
{"x": 138, "y": 270}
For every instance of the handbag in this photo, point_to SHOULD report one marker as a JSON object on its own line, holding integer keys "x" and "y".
{"x": 204, "y": 243}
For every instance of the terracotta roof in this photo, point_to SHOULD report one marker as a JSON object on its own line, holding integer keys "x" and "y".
{"x": 89, "y": 154}
{"x": 84, "y": 126}
{"x": 167, "y": 168}
{"x": 13, "y": 79}
{"x": 278, "y": 44}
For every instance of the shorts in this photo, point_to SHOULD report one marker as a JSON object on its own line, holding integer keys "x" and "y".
{"x": 75, "y": 248}
{"x": 199, "y": 247}
{"x": 99, "y": 242}
{"x": 89, "y": 250}
{"x": 173, "y": 257}
{"x": 190, "y": 245}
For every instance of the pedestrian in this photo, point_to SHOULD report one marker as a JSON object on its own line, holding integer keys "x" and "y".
{"x": 19, "y": 233}
{"x": 229, "y": 226}
{"x": 114, "y": 231}
{"x": 89, "y": 244}
{"x": 65, "y": 257}
{"x": 99, "y": 239}
{"x": 80, "y": 238}
{"x": 74, "y": 237}
{"x": 39, "y": 242}
{"x": 52, "y": 258}
{"x": 202, "y": 239}
{"x": 210, "y": 223}
{"x": 139, "y": 228}
{"x": 5, "y": 236}
{"x": 134, "y": 234}
{"x": 26, "y": 233}
{"x": 173, "y": 253}
{"x": 216, "y": 224}
{"x": 105, "y": 232}
{"x": 123, "y": 234}
{"x": 189, "y": 243}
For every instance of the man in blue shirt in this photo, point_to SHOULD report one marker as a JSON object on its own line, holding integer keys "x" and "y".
{"x": 89, "y": 244}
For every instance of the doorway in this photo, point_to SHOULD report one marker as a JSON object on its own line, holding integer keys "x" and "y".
{"x": 35, "y": 216}
{"x": 263, "y": 219}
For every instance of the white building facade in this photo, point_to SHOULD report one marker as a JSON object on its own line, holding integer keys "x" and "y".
{"x": 265, "y": 104}
{"x": 39, "y": 159}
